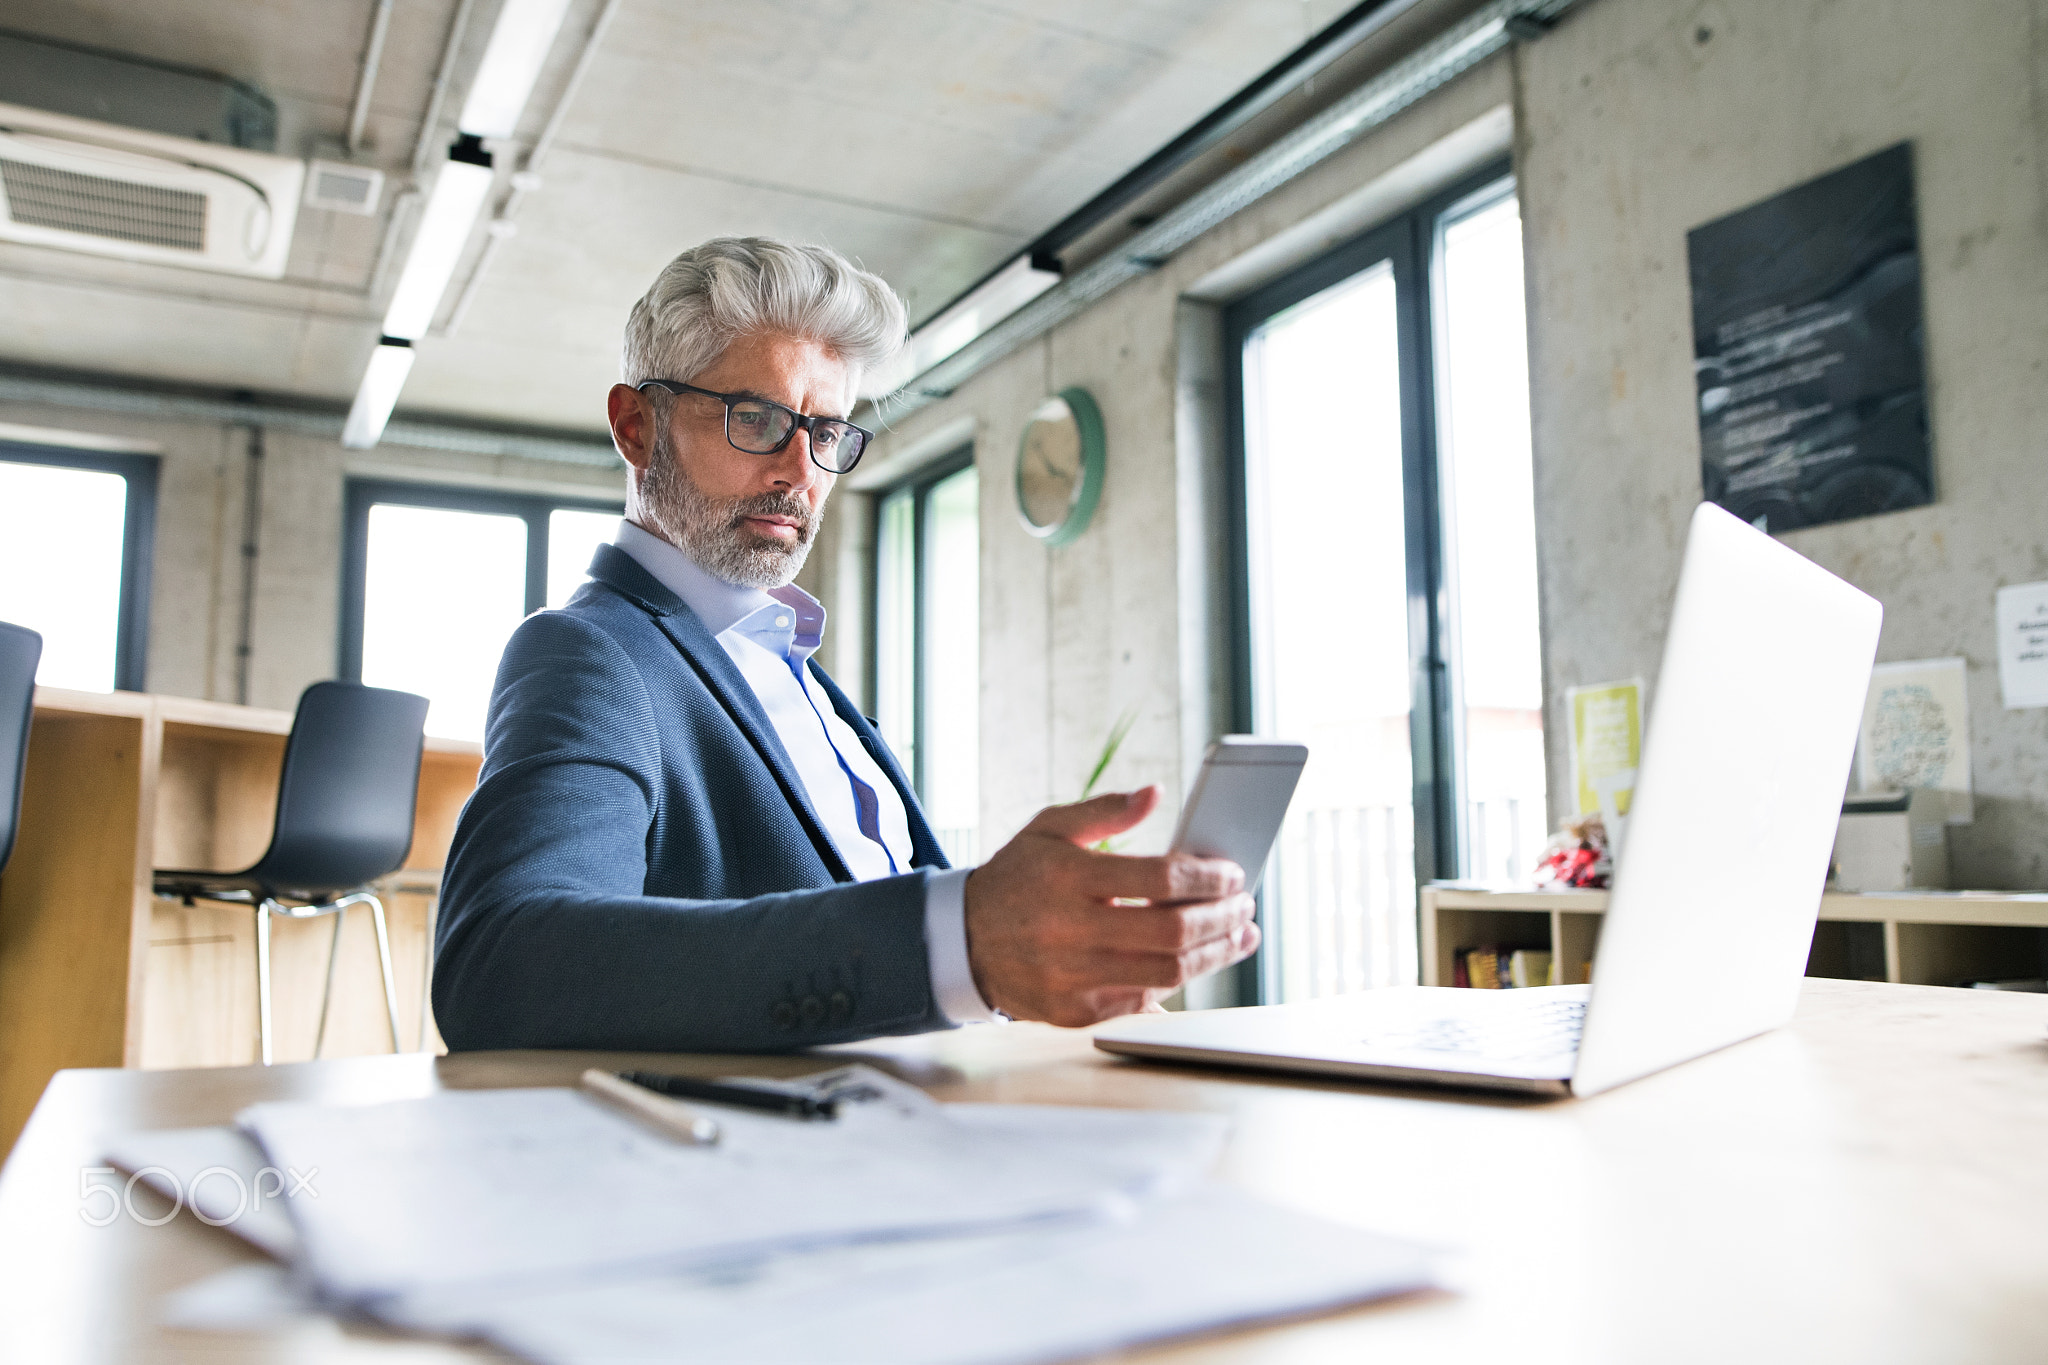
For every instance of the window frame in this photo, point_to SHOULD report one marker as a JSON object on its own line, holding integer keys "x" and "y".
{"x": 1409, "y": 241}
{"x": 363, "y": 494}
{"x": 919, "y": 485}
{"x": 138, "y": 543}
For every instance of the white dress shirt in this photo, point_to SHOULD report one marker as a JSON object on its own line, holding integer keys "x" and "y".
{"x": 770, "y": 635}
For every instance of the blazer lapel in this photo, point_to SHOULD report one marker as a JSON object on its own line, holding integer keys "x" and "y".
{"x": 708, "y": 659}
{"x": 924, "y": 845}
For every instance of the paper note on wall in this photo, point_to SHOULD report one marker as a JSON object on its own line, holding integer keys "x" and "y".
{"x": 1607, "y": 747}
{"x": 2023, "y": 644}
{"x": 1916, "y": 732}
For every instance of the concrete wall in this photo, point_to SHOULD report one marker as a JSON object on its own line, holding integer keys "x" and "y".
{"x": 196, "y": 580}
{"x": 1633, "y": 121}
{"x": 1640, "y": 119}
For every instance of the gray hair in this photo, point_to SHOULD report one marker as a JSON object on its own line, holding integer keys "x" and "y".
{"x": 731, "y": 287}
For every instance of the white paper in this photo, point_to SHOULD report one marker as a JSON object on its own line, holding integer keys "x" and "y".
{"x": 259, "y": 1297}
{"x": 2023, "y": 644}
{"x": 1169, "y": 1254}
{"x": 1916, "y": 732}
{"x": 1212, "y": 1259}
{"x": 222, "y": 1177}
{"x": 542, "y": 1186}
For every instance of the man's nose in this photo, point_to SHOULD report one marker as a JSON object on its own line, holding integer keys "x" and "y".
{"x": 793, "y": 467}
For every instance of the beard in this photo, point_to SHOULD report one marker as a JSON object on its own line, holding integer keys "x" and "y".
{"x": 713, "y": 531}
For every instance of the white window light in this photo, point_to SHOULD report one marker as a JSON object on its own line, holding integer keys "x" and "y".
{"x": 519, "y": 46}
{"x": 385, "y": 375}
{"x": 451, "y": 212}
{"x": 994, "y": 299}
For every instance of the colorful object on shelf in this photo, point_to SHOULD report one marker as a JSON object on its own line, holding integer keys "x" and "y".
{"x": 1576, "y": 858}
{"x": 1491, "y": 968}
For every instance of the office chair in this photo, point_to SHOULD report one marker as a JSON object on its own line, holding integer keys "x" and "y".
{"x": 21, "y": 649}
{"x": 345, "y": 803}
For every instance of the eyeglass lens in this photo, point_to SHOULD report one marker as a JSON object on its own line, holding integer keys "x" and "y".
{"x": 758, "y": 428}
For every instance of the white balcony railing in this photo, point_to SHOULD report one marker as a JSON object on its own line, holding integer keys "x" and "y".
{"x": 1341, "y": 897}
{"x": 1341, "y": 891}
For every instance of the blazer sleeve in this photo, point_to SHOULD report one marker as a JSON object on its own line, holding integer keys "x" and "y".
{"x": 547, "y": 940}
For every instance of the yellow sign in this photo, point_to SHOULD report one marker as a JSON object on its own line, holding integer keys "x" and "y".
{"x": 1607, "y": 745}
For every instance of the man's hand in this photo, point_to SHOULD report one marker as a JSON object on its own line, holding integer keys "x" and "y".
{"x": 1048, "y": 940}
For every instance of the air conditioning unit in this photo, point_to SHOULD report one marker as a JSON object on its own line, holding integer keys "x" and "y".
{"x": 113, "y": 191}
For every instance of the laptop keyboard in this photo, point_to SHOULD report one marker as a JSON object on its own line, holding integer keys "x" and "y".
{"x": 1546, "y": 1028}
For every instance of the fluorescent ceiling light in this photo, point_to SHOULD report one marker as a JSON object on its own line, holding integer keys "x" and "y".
{"x": 987, "y": 304}
{"x": 451, "y": 212}
{"x": 389, "y": 364}
{"x": 512, "y": 61}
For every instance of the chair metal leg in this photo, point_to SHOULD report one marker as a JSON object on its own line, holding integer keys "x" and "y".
{"x": 263, "y": 980}
{"x": 427, "y": 973}
{"x": 327, "y": 991}
{"x": 384, "y": 963}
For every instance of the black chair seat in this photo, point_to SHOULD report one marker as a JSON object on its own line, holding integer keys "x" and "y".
{"x": 21, "y": 649}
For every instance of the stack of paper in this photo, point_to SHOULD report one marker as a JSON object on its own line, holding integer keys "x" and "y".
{"x": 905, "y": 1231}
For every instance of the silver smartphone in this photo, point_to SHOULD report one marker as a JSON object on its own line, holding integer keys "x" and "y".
{"x": 1239, "y": 799}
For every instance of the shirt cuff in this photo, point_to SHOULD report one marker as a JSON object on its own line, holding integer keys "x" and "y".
{"x": 945, "y": 944}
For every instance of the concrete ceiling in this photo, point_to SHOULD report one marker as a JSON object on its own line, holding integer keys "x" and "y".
{"x": 930, "y": 139}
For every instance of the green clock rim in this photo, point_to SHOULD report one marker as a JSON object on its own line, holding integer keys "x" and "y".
{"x": 1088, "y": 423}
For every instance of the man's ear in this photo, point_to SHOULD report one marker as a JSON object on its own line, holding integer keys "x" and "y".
{"x": 632, "y": 419}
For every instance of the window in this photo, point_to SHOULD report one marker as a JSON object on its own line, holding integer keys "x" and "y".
{"x": 76, "y": 533}
{"x": 1387, "y": 612}
{"x": 927, "y": 643}
{"x": 436, "y": 579}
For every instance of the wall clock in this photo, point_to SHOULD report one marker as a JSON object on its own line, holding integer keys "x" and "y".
{"x": 1059, "y": 466}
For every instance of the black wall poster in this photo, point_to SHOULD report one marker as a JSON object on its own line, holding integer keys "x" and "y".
{"x": 1809, "y": 353}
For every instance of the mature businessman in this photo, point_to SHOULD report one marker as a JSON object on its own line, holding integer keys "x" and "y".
{"x": 685, "y": 837}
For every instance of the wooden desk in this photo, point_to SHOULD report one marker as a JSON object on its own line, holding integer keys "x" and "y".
{"x": 95, "y": 971}
{"x": 1865, "y": 1186}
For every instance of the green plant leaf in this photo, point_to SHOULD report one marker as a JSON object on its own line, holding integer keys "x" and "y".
{"x": 1116, "y": 739}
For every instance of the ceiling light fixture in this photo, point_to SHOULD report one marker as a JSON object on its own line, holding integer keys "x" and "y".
{"x": 519, "y": 47}
{"x": 445, "y": 225}
{"x": 981, "y": 308}
{"x": 512, "y": 62}
{"x": 385, "y": 375}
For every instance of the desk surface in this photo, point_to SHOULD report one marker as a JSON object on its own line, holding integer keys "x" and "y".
{"x": 199, "y": 714}
{"x": 1867, "y": 1185}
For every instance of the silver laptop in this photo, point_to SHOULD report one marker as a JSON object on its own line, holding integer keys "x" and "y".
{"x": 1752, "y": 728}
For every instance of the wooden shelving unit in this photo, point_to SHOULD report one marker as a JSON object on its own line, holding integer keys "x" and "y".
{"x": 1923, "y": 938}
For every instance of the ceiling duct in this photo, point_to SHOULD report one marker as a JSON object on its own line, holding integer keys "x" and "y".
{"x": 1443, "y": 59}
{"x": 157, "y": 97}
{"x": 105, "y": 190}
{"x": 191, "y": 404}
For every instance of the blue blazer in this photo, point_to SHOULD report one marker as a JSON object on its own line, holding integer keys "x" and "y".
{"x": 640, "y": 868}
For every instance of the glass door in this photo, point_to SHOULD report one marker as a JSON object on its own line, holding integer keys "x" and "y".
{"x": 927, "y": 683}
{"x": 1489, "y": 517}
{"x": 1328, "y": 582}
{"x": 1387, "y": 613}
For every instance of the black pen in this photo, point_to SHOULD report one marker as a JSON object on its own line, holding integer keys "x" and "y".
{"x": 743, "y": 1096}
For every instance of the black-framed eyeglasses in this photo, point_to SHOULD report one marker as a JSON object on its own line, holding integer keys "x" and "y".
{"x": 760, "y": 427}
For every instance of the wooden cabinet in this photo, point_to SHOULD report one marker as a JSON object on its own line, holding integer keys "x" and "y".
{"x": 96, "y": 971}
{"x": 1927, "y": 938}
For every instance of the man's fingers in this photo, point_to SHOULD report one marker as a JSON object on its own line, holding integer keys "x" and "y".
{"x": 1172, "y": 929}
{"x": 1175, "y": 877}
{"x": 1167, "y": 971}
{"x": 1088, "y": 822}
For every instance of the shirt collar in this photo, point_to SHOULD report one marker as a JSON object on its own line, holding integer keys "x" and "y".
{"x": 787, "y": 621}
